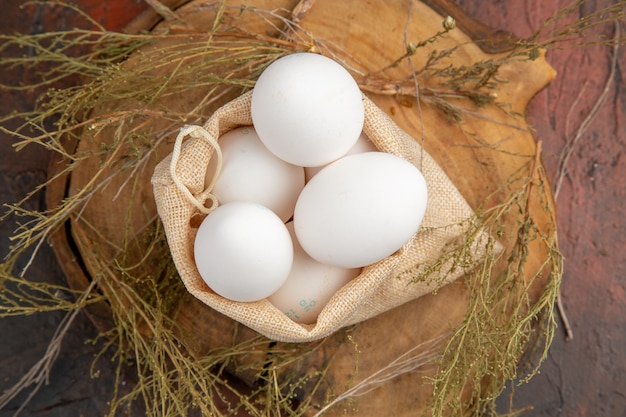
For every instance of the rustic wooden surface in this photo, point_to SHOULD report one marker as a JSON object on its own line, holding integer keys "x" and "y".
{"x": 581, "y": 377}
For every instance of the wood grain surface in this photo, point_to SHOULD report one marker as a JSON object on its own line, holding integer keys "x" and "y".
{"x": 582, "y": 377}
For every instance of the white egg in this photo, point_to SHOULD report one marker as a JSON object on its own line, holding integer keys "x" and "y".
{"x": 361, "y": 145}
{"x": 243, "y": 251}
{"x": 307, "y": 109}
{"x": 250, "y": 172}
{"x": 360, "y": 209}
{"x": 309, "y": 286}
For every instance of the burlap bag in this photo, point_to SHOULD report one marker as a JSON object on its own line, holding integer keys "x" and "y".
{"x": 178, "y": 183}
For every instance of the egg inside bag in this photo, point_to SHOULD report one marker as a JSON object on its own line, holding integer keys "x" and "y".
{"x": 309, "y": 286}
{"x": 307, "y": 109}
{"x": 250, "y": 172}
{"x": 339, "y": 222}
{"x": 243, "y": 251}
{"x": 363, "y": 144}
{"x": 369, "y": 212}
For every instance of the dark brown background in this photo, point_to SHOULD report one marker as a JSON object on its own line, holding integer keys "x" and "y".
{"x": 582, "y": 377}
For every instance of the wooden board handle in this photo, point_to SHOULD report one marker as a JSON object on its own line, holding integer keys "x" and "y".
{"x": 489, "y": 40}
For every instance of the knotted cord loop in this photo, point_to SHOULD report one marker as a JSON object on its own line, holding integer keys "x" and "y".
{"x": 196, "y": 132}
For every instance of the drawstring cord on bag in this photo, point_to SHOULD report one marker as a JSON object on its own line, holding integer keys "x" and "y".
{"x": 196, "y": 132}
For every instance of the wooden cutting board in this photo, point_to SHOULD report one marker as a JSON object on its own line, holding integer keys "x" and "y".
{"x": 480, "y": 149}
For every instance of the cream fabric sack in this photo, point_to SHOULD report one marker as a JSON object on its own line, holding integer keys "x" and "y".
{"x": 178, "y": 183}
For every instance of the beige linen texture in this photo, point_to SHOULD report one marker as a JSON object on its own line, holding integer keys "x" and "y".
{"x": 380, "y": 287}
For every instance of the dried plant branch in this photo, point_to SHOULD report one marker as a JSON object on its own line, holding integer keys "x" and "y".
{"x": 411, "y": 48}
{"x": 572, "y": 142}
{"x": 571, "y": 145}
{"x": 414, "y": 359}
{"x": 557, "y": 33}
{"x": 569, "y": 333}
{"x": 163, "y": 11}
{"x": 39, "y": 373}
{"x": 300, "y": 11}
